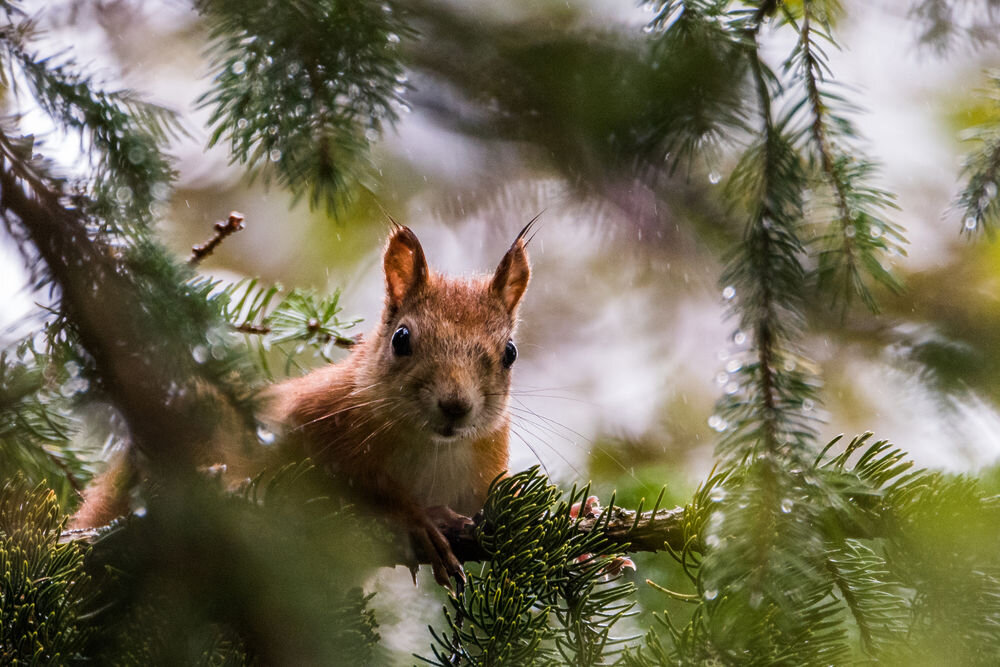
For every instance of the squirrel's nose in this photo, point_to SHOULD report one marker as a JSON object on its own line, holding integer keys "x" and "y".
{"x": 454, "y": 408}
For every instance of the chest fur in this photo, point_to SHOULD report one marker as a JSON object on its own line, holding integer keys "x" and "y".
{"x": 441, "y": 474}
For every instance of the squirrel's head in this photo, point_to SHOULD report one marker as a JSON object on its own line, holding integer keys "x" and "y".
{"x": 445, "y": 348}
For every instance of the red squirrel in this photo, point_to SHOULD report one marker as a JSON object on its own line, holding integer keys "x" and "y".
{"x": 416, "y": 417}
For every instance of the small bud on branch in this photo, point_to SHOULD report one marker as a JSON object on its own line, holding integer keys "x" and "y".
{"x": 222, "y": 229}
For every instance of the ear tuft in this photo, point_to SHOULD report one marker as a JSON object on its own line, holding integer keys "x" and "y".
{"x": 512, "y": 275}
{"x": 405, "y": 265}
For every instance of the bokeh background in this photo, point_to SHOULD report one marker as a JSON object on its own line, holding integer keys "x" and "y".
{"x": 624, "y": 344}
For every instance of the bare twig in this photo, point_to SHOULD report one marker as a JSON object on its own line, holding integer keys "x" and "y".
{"x": 222, "y": 229}
{"x": 346, "y": 342}
{"x": 251, "y": 329}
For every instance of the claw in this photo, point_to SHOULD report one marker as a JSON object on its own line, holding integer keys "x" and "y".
{"x": 588, "y": 509}
{"x": 616, "y": 566}
{"x": 435, "y": 546}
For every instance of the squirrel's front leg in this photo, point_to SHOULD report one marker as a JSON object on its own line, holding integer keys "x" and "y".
{"x": 425, "y": 526}
{"x": 426, "y": 529}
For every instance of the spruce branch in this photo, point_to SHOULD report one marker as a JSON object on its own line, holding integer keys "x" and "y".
{"x": 44, "y": 587}
{"x": 765, "y": 274}
{"x": 697, "y": 34}
{"x": 946, "y": 550}
{"x": 857, "y": 253}
{"x": 302, "y": 89}
{"x": 36, "y": 425}
{"x": 103, "y": 315}
{"x": 626, "y": 531}
{"x": 62, "y": 465}
{"x": 252, "y": 329}
{"x": 121, "y": 134}
{"x": 622, "y": 530}
{"x": 763, "y": 249}
{"x": 291, "y": 323}
{"x": 282, "y": 549}
{"x": 753, "y": 524}
{"x": 110, "y": 314}
{"x": 867, "y": 586}
{"x": 944, "y": 25}
{"x": 978, "y": 201}
{"x": 343, "y": 342}
{"x": 857, "y": 549}
{"x": 542, "y": 588}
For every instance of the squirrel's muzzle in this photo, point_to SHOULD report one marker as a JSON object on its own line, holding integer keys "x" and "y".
{"x": 455, "y": 408}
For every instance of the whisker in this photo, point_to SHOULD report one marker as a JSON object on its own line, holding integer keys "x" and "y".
{"x": 520, "y": 410}
{"x": 381, "y": 429}
{"x": 537, "y": 422}
{"x": 557, "y": 397}
{"x": 389, "y": 420}
{"x": 521, "y": 431}
{"x": 346, "y": 408}
{"x": 521, "y": 406}
{"x": 527, "y": 444}
{"x": 434, "y": 471}
{"x": 361, "y": 390}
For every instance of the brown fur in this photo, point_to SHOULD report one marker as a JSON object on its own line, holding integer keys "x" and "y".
{"x": 107, "y": 497}
{"x": 376, "y": 417}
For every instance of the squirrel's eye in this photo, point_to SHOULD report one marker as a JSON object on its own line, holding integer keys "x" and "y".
{"x": 401, "y": 342}
{"x": 509, "y": 354}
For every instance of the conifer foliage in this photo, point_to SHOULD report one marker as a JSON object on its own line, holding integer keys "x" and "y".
{"x": 44, "y": 588}
{"x": 306, "y": 86}
{"x": 789, "y": 555}
{"x": 978, "y": 200}
{"x": 545, "y": 594}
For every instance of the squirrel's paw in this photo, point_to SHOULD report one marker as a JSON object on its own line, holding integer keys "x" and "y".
{"x": 427, "y": 534}
{"x": 448, "y": 521}
{"x": 591, "y": 509}
{"x": 588, "y": 509}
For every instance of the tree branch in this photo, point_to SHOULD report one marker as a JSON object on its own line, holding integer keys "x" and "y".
{"x": 167, "y": 416}
{"x": 624, "y": 531}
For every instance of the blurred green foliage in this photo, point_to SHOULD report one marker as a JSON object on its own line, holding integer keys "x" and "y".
{"x": 305, "y": 86}
{"x": 269, "y": 576}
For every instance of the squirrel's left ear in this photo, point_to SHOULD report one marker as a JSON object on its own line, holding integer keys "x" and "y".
{"x": 405, "y": 266}
{"x": 511, "y": 277}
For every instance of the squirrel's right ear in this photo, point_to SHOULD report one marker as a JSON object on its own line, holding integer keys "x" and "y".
{"x": 405, "y": 266}
{"x": 511, "y": 277}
